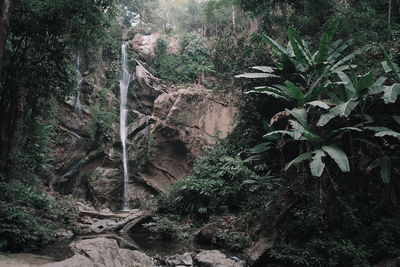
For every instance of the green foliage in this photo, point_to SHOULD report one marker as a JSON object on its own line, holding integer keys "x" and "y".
{"x": 22, "y": 222}
{"x": 148, "y": 152}
{"x": 166, "y": 65}
{"x": 194, "y": 56}
{"x": 329, "y": 114}
{"x": 347, "y": 240}
{"x": 101, "y": 126}
{"x": 232, "y": 53}
{"x": 234, "y": 241}
{"x": 165, "y": 226}
{"x": 34, "y": 153}
{"x": 313, "y": 85}
{"x": 213, "y": 186}
{"x": 322, "y": 252}
{"x": 188, "y": 65}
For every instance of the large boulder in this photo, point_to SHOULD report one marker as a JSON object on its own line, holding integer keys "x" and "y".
{"x": 197, "y": 114}
{"x": 185, "y": 121}
{"x": 146, "y": 45}
{"x": 215, "y": 258}
{"x": 256, "y": 254}
{"x": 101, "y": 252}
{"x": 179, "y": 260}
{"x": 207, "y": 233}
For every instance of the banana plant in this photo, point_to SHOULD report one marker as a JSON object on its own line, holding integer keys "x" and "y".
{"x": 382, "y": 159}
{"x": 325, "y": 145}
{"x": 351, "y": 93}
{"x": 311, "y": 70}
{"x": 392, "y": 92}
{"x": 322, "y": 146}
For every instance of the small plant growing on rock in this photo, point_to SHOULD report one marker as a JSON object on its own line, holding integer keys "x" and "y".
{"x": 235, "y": 241}
{"x": 164, "y": 226}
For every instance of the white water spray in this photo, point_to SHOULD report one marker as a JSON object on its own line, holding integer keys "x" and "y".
{"x": 79, "y": 78}
{"x": 123, "y": 130}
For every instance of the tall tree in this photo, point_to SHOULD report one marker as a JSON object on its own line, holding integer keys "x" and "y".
{"x": 36, "y": 64}
{"x": 5, "y": 10}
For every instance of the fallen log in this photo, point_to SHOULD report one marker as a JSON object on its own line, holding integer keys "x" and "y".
{"x": 134, "y": 221}
{"x": 103, "y": 215}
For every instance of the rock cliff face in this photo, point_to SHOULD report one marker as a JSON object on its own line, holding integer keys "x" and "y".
{"x": 184, "y": 122}
{"x": 170, "y": 126}
{"x": 145, "y": 45}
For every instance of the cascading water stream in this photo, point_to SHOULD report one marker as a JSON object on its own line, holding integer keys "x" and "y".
{"x": 123, "y": 130}
{"x": 79, "y": 78}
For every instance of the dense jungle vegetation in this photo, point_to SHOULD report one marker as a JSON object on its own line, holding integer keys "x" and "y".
{"x": 313, "y": 163}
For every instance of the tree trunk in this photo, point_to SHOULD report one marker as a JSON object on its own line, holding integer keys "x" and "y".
{"x": 5, "y": 10}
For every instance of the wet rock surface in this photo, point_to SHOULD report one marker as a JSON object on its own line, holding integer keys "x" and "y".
{"x": 179, "y": 260}
{"x": 102, "y": 252}
{"x": 257, "y": 251}
{"x": 24, "y": 260}
{"x": 207, "y": 234}
{"x": 215, "y": 258}
{"x": 185, "y": 121}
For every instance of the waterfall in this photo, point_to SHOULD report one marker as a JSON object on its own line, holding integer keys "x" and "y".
{"x": 79, "y": 78}
{"x": 123, "y": 130}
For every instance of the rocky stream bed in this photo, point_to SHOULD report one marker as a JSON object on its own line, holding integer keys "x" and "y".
{"x": 117, "y": 239}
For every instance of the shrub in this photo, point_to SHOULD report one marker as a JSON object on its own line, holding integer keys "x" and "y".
{"x": 235, "y": 241}
{"x": 213, "y": 187}
{"x": 23, "y": 224}
{"x": 187, "y": 66}
{"x": 101, "y": 125}
{"x": 165, "y": 226}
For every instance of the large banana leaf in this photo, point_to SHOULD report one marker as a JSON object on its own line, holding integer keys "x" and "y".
{"x": 261, "y": 148}
{"x": 342, "y": 110}
{"x": 390, "y": 133}
{"x": 337, "y": 50}
{"x": 338, "y": 156}
{"x": 298, "y": 159}
{"x": 295, "y": 92}
{"x": 317, "y": 166}
{"x": 300, "y": 114}
{"x": 391, "y": 93}
{"x": 326, "y": 39}
{"x": 348, "y": 84}
{"x": 272, "y": 135}
{"x": 264, "y": 69}
{"x": 299, "y": 49}
{"x": 386, "y": 165}
{"x": 277, "y": 47}
{"x": 346, "y": 60}
{"x": 390, "y": 65}
{"x": 256, "y": 75}
{"x": 377, "y": 87}
{"x": 364, "y": 82}
{"x": 318, "y": 103}
{"x": 272, "y": 91}
{"x": 376, "y": 128}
